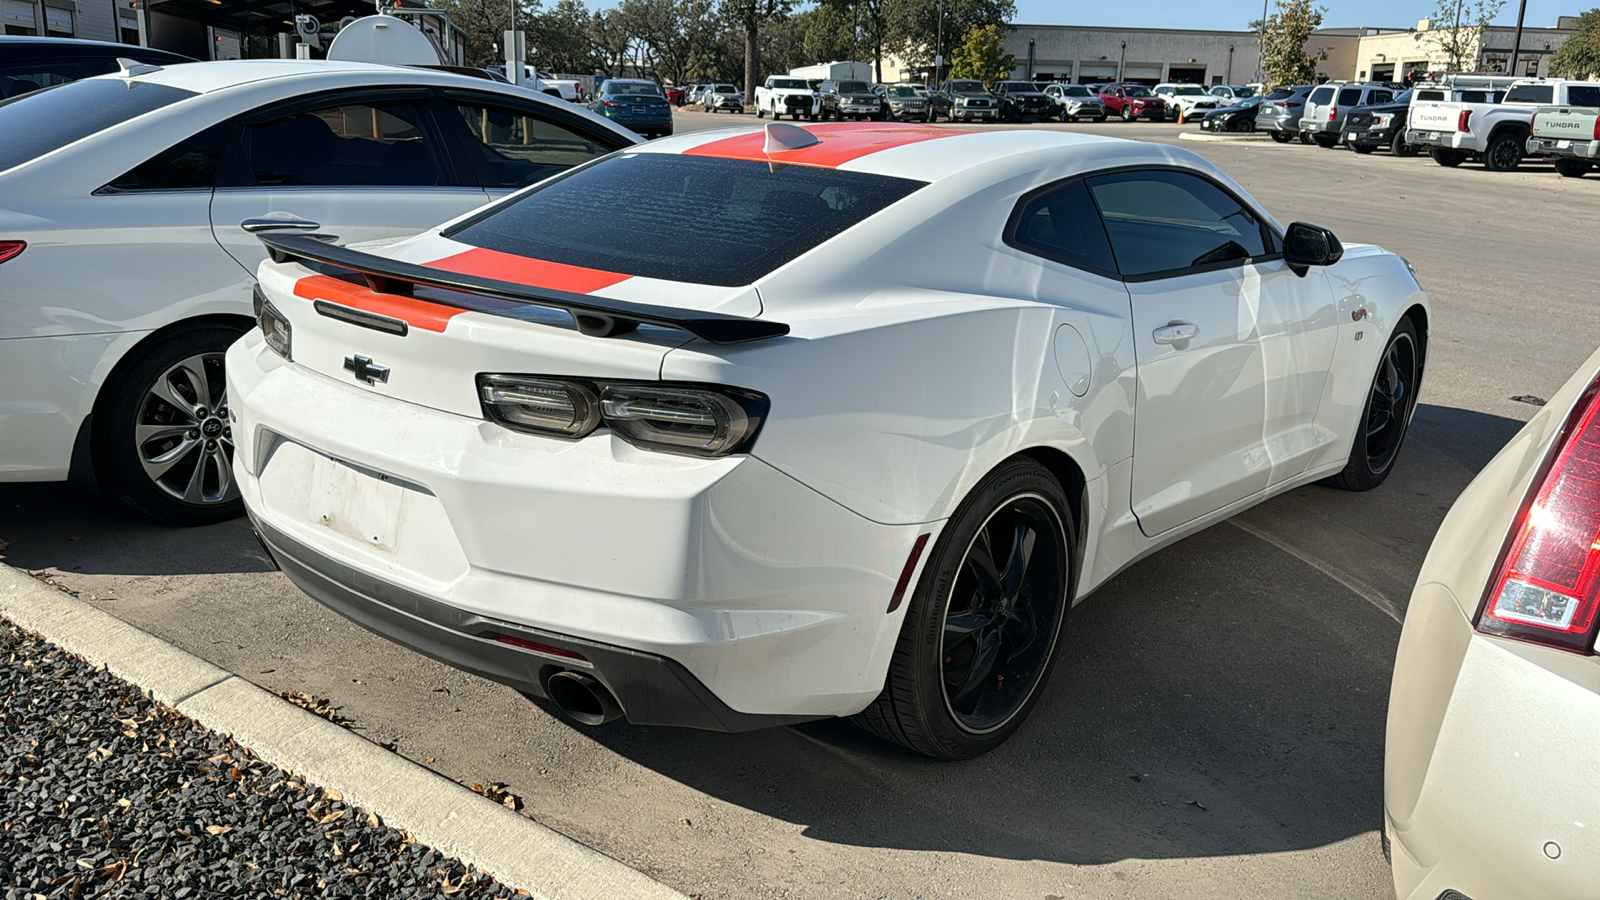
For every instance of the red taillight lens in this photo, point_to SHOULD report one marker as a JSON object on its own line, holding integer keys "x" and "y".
{"x": 1546, "y": 588}
{"x": 1282, "y": 104}
{"x": 1333, "y": 114}
{"x": 526, "y": 644}
{"x": 1461, "y": 123}
{"x": 11, "y": 249}
{"x": 1597, "y": 128}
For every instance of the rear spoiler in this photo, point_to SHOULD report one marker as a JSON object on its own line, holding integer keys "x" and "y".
{"x": 595, "y": 316}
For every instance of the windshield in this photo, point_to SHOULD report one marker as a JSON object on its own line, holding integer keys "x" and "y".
{"x": 45, "y": 120}
{"x": 1244, "y": 92}
{"x": 1015, "y": 86}
{"x": 1531, "y": 93}
{"x": 1077, "y": 91}
{"x": 1135, "y": 90}
{"x": 1188, "y": 90}
{"x": 789, "y": 83}
{"x": 628, "y": 214}
{"x": 854, "y": 87}
{"x": 968, "y": 87}
{"x": 903, "y": 92}
{"x": 725, "y": 89}
{"x": 1405, "y": 97}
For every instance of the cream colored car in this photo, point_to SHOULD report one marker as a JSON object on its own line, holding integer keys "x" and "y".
{"x": 1492, "y": 768}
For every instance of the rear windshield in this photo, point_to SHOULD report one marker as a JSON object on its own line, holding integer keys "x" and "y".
{"x": 632, "y": 87}
{"x": 1531, "y": 93}
{"x": 1583, "y": 94}
{"x": 683, "y": 218}
{"x": 42, "y": 121}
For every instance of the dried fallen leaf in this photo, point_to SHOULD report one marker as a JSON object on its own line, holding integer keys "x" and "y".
{"x": 686, "y": 822}
{"x": 357, "y": 681}
{"x": 1197, "y": 803}
{"x": 124, "y": 802}
{"x": 332, "y": 794}
{"x": 267, "y": 671}
{"x": 218, "y": 829}
{"x": 442, "y": 690}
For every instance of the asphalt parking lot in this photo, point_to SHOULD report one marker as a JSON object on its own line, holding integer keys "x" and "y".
{"x": 1214, "y": 728}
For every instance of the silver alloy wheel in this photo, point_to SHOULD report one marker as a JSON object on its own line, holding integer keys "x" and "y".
{"x": 182, "y": 435}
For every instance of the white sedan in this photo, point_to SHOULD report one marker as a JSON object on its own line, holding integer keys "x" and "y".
{"x": 1490, "y": 772}
{"x": 912, "y": 393}
{"x": 127, "y": 206}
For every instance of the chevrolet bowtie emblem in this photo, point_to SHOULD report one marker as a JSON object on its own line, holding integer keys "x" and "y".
{"x": 365, "y": 369}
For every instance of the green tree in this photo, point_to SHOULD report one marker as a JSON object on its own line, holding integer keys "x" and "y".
{"x": 916, "y": 29}
{"x": 982, "y": 56}
{"x": 1284, "y": 59}
{"x": 670, "y": 34}
{"x": 561, "y": 39}
{"x": 1456, "y": 29}
{"x": 750, "y": 16}
{"x": 1579, "y": 57}
{"x": 485, "y": 23}
{"x": 825, "y": 29}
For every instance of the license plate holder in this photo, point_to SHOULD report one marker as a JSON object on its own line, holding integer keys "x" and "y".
{"x": 361, "y": 505}
{"x": 1563, "y": 145}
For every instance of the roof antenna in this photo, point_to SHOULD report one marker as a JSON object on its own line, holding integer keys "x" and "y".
{"x": 127, "y": 68}
{"x": 783, "y": 136}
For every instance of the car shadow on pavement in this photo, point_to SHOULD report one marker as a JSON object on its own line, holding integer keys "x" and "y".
{"x": 72, "y": 529}
{"x": 1221, "y": 697}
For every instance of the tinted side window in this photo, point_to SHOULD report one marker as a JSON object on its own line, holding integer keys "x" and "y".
{"x": 1531, "y": 93}
{"x": 1583, "y": 95}
{"x": 34, "y": 124}
{"x": 190, "y": 163}
{"x": 1166, "y": 222}
{"x": 520, "y": 149}
{"x": 1061, "y": 223}
{"x": 1322, "y": 95}
{"x": 1380, "y": 97}
{"x": 1350, "y": 97}
{"x": 351, "y": 144}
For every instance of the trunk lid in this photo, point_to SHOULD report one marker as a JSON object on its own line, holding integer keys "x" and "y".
{"x": 1566, "y": 122}
{"x": 449, "y": 337}
{"x": 1436, "y": 115}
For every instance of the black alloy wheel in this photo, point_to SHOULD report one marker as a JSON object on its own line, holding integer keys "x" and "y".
{"x": 1504, "y": 153}
{"x": 1387, "y": 416}
{"x": 983, "y": 625}
{"x": 1127, "y": 112}
{"x": 162, "y": 440}
{"x": 1282, "y": 137}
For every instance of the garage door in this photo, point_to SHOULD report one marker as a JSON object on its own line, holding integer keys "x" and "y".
{"x": 1097, "y": 72}
{"x": 1142, "y": 72}
{"x": 19, "y": 17}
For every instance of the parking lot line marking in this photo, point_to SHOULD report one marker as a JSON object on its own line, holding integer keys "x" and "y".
{"x": 1359, "y": 588}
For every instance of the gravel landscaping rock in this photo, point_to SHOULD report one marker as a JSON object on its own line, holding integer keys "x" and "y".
{"x": 106, "y": 793}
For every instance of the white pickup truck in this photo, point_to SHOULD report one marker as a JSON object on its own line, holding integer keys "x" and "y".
{"x": 1570, "y": 134}
{"x": 786, "y": 95}
{"x": 1492, "y": 132}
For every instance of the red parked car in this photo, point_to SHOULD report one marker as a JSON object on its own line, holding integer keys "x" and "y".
{"x": 675, "y": 96}
{"x": 1132, "y": 101}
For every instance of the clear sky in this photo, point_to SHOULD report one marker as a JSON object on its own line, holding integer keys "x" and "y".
{"x": 1236, "y": 14}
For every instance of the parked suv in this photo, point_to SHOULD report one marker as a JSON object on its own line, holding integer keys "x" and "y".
{"x": 1328, "y": 105}
{"x": 1280, "y": 111}
{"x": 1132, "y": 101}
{"x": 1187, "y": 100}
{"x": 1021, "y": 99}
{"x": 1232, "y": 94}
{"x": 969, "y": 100}
{"x": 30, "y": 63}
{"x": 1076, "y": 101}
{"x": 851, "y": 100}
{"x": 906, "y": 103}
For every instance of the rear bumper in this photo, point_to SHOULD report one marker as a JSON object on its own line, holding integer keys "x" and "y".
{"x": 1450, "y": 140}
{"x": 1584, "y": 150}
{"x": 651, "y": 689}
{"x": 1286, "y": 124}
{"x": 772, "y": 597}
{"x": 1489, "y": 761}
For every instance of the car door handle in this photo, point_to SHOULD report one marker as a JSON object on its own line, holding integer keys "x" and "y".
{"x": 1175, "y": 333}
{"x": 278, "y": 223}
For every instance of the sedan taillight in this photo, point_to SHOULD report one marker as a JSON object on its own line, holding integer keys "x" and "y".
{"x": 11, "y": 249}
{"x": 1546, "y": 587}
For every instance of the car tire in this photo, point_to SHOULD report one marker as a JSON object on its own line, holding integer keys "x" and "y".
{"x": 1325, "y": 142}
{"x": 1399, "y": 147}
{"x": 152, "y": 447}
{"x": 761, "y": 113}
{"x": 1305, "y": 137}
{"x": 1127, "y": 114}
{"x": 1386, "y": 417}
{"x": 972, "y": 622}
{"x": 1363, "y": 149}
{"x": 1281, "y": 137}
{"x": 1572, "y": 168}
{"x": 1448, "y": 158}
{"x": 1504, "y": 152}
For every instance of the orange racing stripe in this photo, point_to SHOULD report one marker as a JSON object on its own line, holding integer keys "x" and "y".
{"x": 494, "y": 264}
{"x": 839, "y": 143}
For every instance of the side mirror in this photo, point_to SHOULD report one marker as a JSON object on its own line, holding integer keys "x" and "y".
{"x": 1306, "y": 245}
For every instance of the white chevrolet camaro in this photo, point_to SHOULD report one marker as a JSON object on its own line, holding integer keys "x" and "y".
{"x": 910, "y": 393}
{"x": 128, "y": 209}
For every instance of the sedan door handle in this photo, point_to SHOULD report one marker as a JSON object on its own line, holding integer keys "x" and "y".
{"x": 1176, "y": 333}
{"x": 280, "y": 222}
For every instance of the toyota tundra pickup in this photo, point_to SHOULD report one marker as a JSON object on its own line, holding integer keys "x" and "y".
{"x": 1569, "y": 134}
{"x": 783, "y": 95}
{"x": 1495, "y": 133}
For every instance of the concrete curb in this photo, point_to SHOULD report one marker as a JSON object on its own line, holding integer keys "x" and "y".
{"x": 1224, "y": 138}
{"x": 512, "y": 848}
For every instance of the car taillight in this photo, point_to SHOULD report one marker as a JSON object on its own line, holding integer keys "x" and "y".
{"x": 1461, "y": 123}
{"x": 1597, "y": 128}
{"x": 1282, "y": 104}
{"x": 1546, "y": 587}
{"x": 1333, "y": 114}
{"x": 11, "y": 249}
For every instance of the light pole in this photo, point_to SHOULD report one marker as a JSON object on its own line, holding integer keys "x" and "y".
{"x": 938, "y": 47}
{"x": 1121, "y": 60}
{"x": 1261, "y": 45}
{"x": 1516, "y": 43}
{"x": 1455, "y": 40}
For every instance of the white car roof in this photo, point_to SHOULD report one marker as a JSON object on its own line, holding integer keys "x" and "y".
{"x": 927, "y": 152}
{"x": 205, "y": 77}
